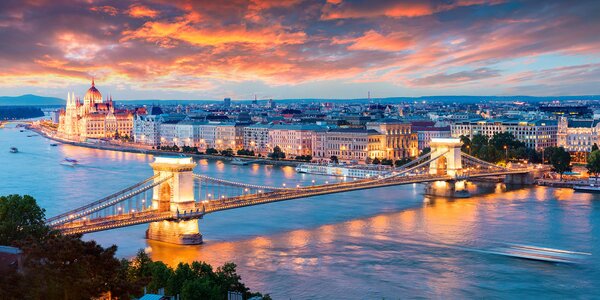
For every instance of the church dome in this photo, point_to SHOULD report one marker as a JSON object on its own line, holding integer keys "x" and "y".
{"x": 92, "y": 95}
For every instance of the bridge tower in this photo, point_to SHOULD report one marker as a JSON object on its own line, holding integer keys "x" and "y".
{"x": 450, "y": 161}
{"x": 174, "y": 195}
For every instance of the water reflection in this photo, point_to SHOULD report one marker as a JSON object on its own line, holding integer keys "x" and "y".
{"x": 430, "y": 247}
{"x": 390, "y": 242}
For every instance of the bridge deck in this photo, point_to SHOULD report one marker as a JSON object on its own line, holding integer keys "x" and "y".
{"x": 205, "y": 207}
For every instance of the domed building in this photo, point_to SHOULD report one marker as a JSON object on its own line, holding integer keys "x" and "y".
{"x": 94, "y": 118}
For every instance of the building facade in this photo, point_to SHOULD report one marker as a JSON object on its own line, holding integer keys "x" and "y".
{"x": 578, "y": 136}
{"x": 352, "y": 145}
{"x": 94, "y": 118}
{"x": 400, "y": 141}
{"x": 294, "y": 140}
{"x": 256, "y": 138}
{"x": 535, "y": 134}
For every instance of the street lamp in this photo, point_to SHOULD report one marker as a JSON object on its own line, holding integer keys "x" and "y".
{"x": 506, "y": 153}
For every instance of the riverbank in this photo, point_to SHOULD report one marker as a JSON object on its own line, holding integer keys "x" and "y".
{"x": 257, "y": 160}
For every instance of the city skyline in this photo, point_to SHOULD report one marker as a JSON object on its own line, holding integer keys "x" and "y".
{"x": 300, "y": 49}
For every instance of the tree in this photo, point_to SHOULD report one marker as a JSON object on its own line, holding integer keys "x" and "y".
{"x": 402, "y": 161}
{"x": 334, "y": 159}
{"x": 211, "y": 151}
{"x": 426, "y": 150}
{"x": 593, "y": 163}
{"x": 227, "y": 152}
{"x": 277, "y": 154}
{"x": 376, "y": 161}
{"x": 387, "y": 162}
{"x": 20, "y": 218}
{"x": 560, "y": 160}
{"x": 595, "y": 147}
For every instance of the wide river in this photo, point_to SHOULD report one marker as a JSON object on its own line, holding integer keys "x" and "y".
{"x": 387, "y": 243}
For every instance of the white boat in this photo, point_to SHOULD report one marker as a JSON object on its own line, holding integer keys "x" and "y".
{"x": 352, "y": 171}
{"x": 69, "y": 162}
{"x": 239, "y": 162}
{"x": 539, "y": 253}
{"x": 591, "y": 188}
{"x": 14, "y": 150}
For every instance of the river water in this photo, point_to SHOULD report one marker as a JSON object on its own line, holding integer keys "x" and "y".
{"x": 387, "y": 243}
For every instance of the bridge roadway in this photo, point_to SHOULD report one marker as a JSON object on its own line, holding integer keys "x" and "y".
{"x": 206, "y": 206}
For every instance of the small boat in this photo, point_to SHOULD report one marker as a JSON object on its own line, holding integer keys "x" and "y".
{"x": 539, "y": 253}
{"x": 239, "y": 162}
{"x": 587, "y": 188}
{"x": 14, "y": 150}
{"x": 69, "y": 162}
{"x": 22, "y": 130}
{"x": 53, "y": 145}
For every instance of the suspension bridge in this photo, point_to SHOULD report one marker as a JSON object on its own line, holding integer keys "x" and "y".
{"x": 174, "y": 198}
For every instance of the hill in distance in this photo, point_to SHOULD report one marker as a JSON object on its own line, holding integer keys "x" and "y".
{"x": 30, "y": 100}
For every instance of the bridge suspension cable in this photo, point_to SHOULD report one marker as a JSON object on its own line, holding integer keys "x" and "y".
{"x": 106, "y": 202}
{"x": 422, "y": 164}
{"x": 236, "y": 184}
{"x": 480, "y": 162}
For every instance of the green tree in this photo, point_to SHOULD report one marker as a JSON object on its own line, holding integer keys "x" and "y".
{"x": 334, "y": 159}
{"x": 376, "y": 161}
{"x": 277, "y": 154}
{"x": 200, "y": 289}
{"x": 228, "y": 279}
{"x": 426, "y": 150}
{"x": 595, "y": 147}
{"x": 211, "y": 151}
{"x": 560, "y": 160}
{"x": 20, "y": 219}
{"x": 402, "y": 161}
{"x": 593, "y": 163}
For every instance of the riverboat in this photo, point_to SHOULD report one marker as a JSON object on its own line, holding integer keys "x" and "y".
{"x": 539, "y": 253}
{"x": 238, "y": 162}
{"x": 14, "y": 150}
{"x": 591, "y": 188}
{"x": 341, "y": 170}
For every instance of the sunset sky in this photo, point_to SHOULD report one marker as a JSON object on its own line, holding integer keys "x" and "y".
{"x": 168, "y": 49}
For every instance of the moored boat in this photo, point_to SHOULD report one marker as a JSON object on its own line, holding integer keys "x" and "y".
{"x": 591, "y": 188}
{"x": 340, "y": 170}
{"x": 239, "y": 162}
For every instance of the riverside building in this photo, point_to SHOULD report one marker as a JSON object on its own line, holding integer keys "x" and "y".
{"x": 536, "y": 134}
{"x": 94, "y": 118}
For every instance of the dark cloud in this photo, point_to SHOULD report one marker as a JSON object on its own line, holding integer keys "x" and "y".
{"x": 457, "y": 78}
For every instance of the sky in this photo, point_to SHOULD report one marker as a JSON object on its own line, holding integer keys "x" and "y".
{"x": 282, "y": 49}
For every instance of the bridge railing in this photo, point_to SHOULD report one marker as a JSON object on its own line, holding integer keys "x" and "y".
{"x": 106, "y": 202}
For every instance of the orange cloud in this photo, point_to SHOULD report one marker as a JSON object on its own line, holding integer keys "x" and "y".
{"x": 166, "y": 33}
{"x": 141, "y": 11}
{"x": 373, "y": 40}
{"x": 396, "y": 10}
{"x": 393, "y": 9}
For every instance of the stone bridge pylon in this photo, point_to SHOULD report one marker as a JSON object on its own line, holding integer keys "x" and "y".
{"x": 450, "y": 159}
{"x": 174, "y": 195}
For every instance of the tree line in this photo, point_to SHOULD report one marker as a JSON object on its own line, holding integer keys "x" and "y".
{"x": 57, "y": 266}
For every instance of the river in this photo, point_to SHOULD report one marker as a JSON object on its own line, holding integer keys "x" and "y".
{"x": 387, "y": 243}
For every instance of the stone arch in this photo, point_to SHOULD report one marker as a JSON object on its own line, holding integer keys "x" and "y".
{"x": 442, "y": 165}
{"x": 449, "y": 153}
{"x": 164, "y": 197}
